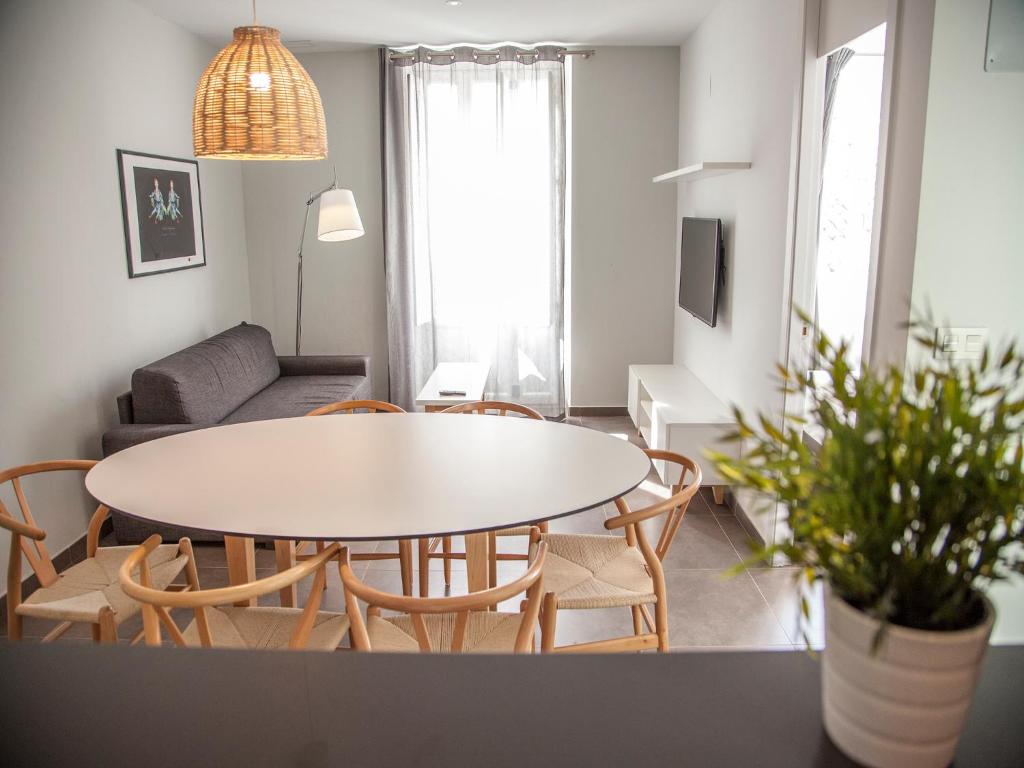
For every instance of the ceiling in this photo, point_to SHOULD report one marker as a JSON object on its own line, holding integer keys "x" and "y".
{"x": 325, "y": 25}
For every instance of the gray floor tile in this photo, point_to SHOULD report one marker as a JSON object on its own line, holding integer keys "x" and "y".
{"x": 436, "y": 564}
{"x": 701, "y": 504}
{"x": 584, "y": 626}
{"x": 745, "y": 546}
{"x": 211, "y": 555}
{"x": 700, "y": 543}
{"x": 652, "y": 490}
{"x": 610, "y": 424}
{"x": 782, "y": 591}
{"x": 709, "y": 609}
{"x": 708, "y": 495}
{"x": 619, "y": 426}
{"x": 34, "y": 629}
{"x": 383, "y": 547}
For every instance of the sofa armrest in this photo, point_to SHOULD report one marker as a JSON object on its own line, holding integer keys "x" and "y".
{"x": 125, "y": 408}
{"x": 324, "y": 365}
{"x": 127, "y": 435}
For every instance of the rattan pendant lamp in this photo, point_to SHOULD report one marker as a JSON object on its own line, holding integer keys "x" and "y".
{"x": 256, "y": 102}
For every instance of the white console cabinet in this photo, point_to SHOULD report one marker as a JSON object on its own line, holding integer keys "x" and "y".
{"x": 674, "y": 411}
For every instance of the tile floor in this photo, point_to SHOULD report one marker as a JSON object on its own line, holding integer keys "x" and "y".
{"x": 708, "y": 609}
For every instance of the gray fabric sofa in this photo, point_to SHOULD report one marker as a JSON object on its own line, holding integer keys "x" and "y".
{"x": 229, "y": 378}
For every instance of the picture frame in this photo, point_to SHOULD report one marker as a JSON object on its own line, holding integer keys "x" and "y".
{"x": 162, "y": 211}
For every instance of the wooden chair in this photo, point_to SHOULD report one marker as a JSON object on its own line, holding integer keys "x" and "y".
{"x": 460, "y": 624}
{"x": 598, "y": 571}
{"x": 218, "y": 624}
{"x": 351, "y": 406}
{"x": 288, "y": 552}
{"x": 86, "y": 592}
{"x": 428, "y": 547}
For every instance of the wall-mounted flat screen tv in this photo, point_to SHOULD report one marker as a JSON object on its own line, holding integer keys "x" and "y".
{"x": 700, "y": 268}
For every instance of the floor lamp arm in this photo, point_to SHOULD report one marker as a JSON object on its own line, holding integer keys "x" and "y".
{"x": 302, "y": 240}
{"x": 298, "y": 286}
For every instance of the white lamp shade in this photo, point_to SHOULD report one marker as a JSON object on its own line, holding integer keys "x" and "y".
{"x": 339, "y": 217}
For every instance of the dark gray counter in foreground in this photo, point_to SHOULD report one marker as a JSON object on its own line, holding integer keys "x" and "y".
{"x": 83, "y": 705}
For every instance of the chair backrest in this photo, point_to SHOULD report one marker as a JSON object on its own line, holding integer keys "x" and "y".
{"x": 155, "y": 602}
{"x": 350, "y": 406}
{"x": 496, "y": 407}
{"x": 28, "y": 537}
{"x": 458, "y": 606}
{"x": 675, "y": 505}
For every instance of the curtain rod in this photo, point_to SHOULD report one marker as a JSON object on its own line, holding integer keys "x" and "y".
{"x": 586, "y": 53}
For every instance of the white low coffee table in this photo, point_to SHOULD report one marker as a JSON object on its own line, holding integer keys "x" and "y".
{"x": 469, "y": 378}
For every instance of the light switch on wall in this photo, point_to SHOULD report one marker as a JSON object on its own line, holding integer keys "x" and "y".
{"x": 960, "y": 343}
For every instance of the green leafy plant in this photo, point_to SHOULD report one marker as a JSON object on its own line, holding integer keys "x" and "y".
{"x": 914, "y": 503}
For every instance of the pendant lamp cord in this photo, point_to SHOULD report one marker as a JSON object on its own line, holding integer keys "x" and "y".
{"x": 254, "y": 13}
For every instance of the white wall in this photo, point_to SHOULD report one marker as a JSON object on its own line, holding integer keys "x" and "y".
{"x": 739, "y": 79}
{"x": 625, "y": 112}
{"x": 83, "y": 79}
{"x": 842, "y": 21}
{"x": 343, "y": 304}
{"x": 970, "y": 240}
{"x": 969, "y": 264}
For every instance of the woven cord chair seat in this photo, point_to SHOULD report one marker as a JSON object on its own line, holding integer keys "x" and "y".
{"x": 486, "y": 632}
{"x": 595, "y": 571}
{"x": 519, "y": 530}
{"x": 84, "y": 589}
{"x": 267, "y": 628}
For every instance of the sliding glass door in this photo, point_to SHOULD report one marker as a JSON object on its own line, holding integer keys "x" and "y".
{"x": 475, "y": 175}
{"x": 847, "y": 203}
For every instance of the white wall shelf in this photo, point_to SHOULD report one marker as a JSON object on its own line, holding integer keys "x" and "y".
{"x": 703, "y": 170}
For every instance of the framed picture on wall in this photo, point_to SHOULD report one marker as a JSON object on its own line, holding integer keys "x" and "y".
{"x": 162, "y": 211}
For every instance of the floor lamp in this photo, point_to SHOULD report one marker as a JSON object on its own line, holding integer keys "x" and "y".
{"x": 339, "y": 220}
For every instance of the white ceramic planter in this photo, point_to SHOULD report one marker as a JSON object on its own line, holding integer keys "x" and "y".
{"x": 905, "y": 705}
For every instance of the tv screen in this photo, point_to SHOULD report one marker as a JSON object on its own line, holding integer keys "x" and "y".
{"x": 700, "y": 268}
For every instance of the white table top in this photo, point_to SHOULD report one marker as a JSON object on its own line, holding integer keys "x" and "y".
{"x": 368, "y": 476}
{"x": 469, "y": 377}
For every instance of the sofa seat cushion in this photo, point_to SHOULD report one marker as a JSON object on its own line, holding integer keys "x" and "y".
{"x": 205, "y": 382}
{"x": 298, "y": 395}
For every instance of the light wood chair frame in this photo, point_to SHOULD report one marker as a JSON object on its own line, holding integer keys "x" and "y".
{"x": 287, "y": 552}
{"x": 531, "y": 583}
{"x": 428, "y": 547}
{"x": 28, "y": 538}
{"x": 656, "y": 634}
{"x": 155, "y": 602}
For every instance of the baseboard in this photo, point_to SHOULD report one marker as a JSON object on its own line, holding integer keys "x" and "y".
{"x": 598, "y": 410}
{"x": 70, "y": 555}
{"x": 743, "y": 518}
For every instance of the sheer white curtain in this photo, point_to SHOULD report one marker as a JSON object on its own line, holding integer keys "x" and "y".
{"x": 474, "y": 172}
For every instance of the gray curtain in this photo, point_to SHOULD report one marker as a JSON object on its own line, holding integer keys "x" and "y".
{"x": 474, "y": 197}
{"x": 833, "y": 67}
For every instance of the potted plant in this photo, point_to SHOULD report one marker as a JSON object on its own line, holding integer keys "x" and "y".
{"x": 910, "y": 508}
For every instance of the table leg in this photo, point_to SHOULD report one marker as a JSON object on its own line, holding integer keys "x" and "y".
{"x": 284, "y": 554}
{"x": 477, "y": 561}
{"x": 241, "y": 555}
{"x": 718, "y": 492}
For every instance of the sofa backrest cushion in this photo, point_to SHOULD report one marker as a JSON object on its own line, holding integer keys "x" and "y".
{"x": 205, "y": 382}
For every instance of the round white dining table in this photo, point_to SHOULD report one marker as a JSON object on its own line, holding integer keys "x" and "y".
{"x": 368, "y": 477}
